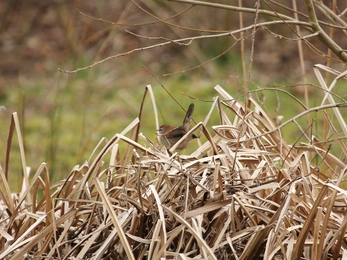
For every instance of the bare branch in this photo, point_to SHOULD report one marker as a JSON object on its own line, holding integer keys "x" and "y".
{"x": 339, "y": 52}
{"x": 186, "y": 40}
{"x": 235, "y": 8}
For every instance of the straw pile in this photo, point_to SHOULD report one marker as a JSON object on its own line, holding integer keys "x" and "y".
{"x": 243, "y": 194}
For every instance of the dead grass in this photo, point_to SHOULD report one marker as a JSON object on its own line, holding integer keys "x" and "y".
{"x": 243, "y": 194}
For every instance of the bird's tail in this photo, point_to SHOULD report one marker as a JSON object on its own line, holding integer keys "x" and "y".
{"x": 188, "y": 117}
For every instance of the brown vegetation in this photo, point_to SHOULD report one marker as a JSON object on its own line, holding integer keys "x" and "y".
{"x": 243, "y": 194}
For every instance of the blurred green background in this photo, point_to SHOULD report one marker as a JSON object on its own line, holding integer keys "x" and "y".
{"x": 64, "y": 116}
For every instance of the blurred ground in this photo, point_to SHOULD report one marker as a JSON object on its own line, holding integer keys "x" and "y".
{"x": 39, "y": 36}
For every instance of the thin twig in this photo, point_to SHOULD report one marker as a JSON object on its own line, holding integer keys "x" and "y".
{"x": 178, "y": 41}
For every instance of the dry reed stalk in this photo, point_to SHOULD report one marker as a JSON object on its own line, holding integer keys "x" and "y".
{"x": 244, "y": 194}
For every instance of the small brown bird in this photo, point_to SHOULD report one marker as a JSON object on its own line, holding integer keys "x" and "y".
{"x": 170, "y": 135}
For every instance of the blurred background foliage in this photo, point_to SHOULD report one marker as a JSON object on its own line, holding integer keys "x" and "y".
{"x": 63, "y": 116}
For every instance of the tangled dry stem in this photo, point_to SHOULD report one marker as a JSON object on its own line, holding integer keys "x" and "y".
{"x": 243, "y": 194}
